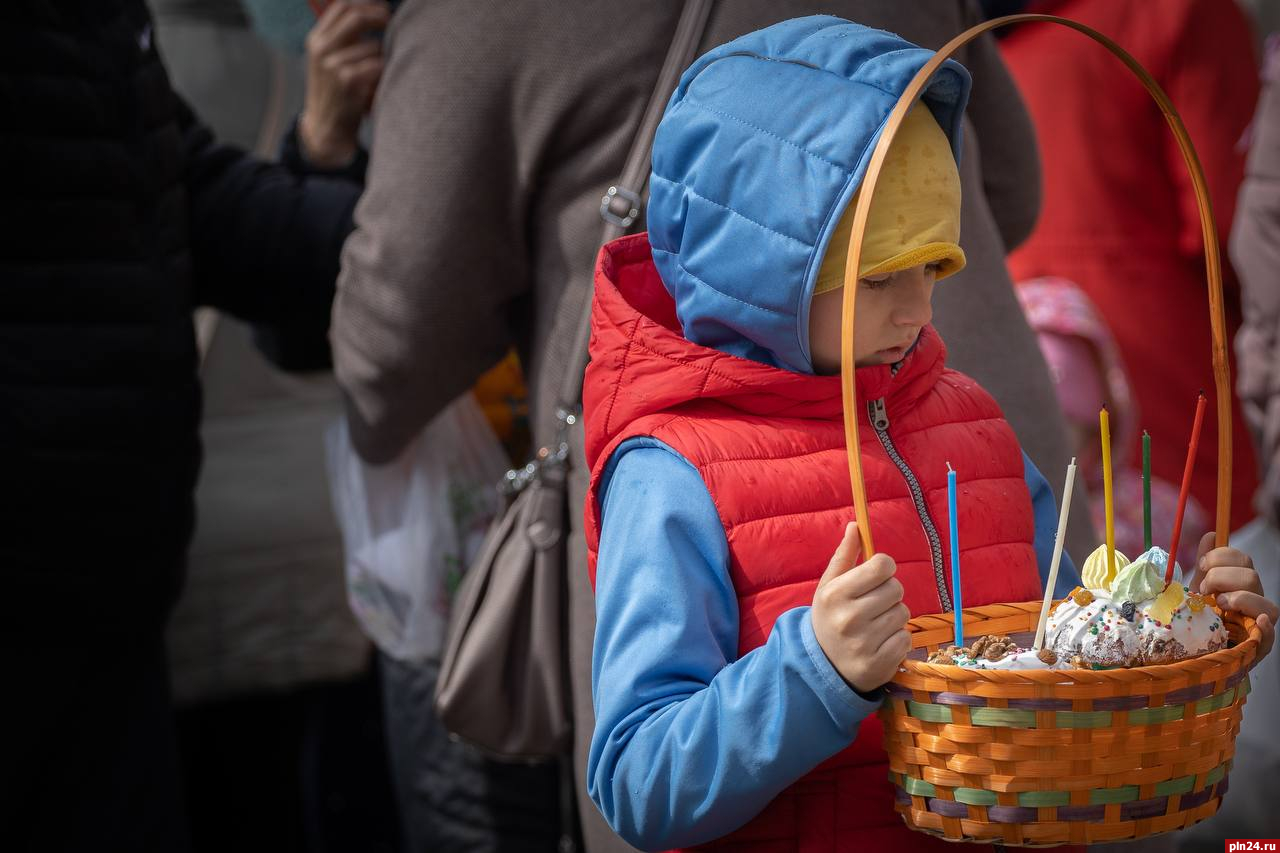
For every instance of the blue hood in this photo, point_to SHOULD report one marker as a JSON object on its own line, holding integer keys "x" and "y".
{"x": 761, "y": 148}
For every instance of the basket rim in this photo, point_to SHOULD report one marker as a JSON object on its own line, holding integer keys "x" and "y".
{"x": 1243, "y": 654}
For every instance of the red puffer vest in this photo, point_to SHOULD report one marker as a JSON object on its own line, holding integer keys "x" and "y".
{"x": 769, "y": 445}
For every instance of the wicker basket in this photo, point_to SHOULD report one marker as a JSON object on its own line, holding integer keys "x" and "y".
{"x": 1046, "y": 757}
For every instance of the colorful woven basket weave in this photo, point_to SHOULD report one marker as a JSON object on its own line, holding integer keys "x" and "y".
{"x": 1049, "y": 757}
{"x": 1046, "y": 757}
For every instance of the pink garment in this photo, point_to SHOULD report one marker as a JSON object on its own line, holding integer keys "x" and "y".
{"x": 1070, "y": 356}
{"x": 1057, "y": 307}
{"x": 1087, "y": 372}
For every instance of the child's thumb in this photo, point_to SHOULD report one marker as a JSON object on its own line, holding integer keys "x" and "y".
{"x": 846, "y": 555}
{"x": 1195, "y": 573}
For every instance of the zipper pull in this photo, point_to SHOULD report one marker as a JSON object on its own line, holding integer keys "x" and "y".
{"x": 878, "y": 415}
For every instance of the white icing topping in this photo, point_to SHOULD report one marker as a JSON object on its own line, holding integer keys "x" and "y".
{"x": 1102, "y": 636}
{"x": 1096, "y": 631}
{"x": 1019, "y": 658}
{"x": 1194, "y": 633}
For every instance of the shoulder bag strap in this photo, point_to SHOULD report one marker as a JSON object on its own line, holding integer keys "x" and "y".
{"x": 620, "y": 207}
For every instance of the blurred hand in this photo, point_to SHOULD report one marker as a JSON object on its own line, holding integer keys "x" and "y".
{"x": 1229, "y": 576}
{"x": 344, "y": 64}
{"x": 858, "y": 615}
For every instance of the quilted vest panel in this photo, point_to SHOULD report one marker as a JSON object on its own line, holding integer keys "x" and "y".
{"x": 769, "y": 445}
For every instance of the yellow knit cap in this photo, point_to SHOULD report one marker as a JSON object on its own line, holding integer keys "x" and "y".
{"x": 915, "y": 214}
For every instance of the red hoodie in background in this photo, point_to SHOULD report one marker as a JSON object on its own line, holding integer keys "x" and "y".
{"x": 1119, "y": 216}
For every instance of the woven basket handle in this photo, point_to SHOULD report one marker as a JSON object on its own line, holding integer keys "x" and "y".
{"x": 1212, "y": 260}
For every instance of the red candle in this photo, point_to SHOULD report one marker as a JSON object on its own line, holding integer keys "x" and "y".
{"x": 1186, "y": 487}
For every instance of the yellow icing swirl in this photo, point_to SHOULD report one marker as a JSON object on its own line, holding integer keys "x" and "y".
{"x": 1095, "y": 574}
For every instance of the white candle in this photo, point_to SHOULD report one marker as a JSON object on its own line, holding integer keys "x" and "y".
{"x": 1057, "y": 555}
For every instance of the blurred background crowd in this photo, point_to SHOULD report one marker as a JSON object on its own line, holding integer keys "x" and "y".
{"x": 256, "y": 248}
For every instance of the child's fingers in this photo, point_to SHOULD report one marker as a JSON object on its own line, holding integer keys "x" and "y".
{"x": 846, "y": 555}
{"x": 1204, "y": 547}
{"x": 1212, "y": 558}
{"x": 1206, "y": 544}
{"x": 1264, "y": 612}
{"x": 869, "y": 606}
{"x": 893, "y": 650}
{"x": 1226, "y": 579}
{"x": 888, "y": 623}
{"x": 1248, "y": 603}
{"x": 871, "y": 603}
{"x": 873, "y": 579}
{"x": 1224, "y": 557}
{"x": 1267, "y": 624}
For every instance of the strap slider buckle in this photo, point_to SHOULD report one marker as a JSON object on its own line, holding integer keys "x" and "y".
{"x": 620, "y": 206}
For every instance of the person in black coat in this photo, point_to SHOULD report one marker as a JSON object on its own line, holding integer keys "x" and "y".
{"x": 120, "y": 214}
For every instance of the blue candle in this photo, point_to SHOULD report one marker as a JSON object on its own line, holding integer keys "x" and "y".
{"x": 955, "y": 555}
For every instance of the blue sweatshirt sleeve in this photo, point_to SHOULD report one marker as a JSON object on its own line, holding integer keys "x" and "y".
{"x": 1045, "y": 508}
{"x": 690, "y": 740}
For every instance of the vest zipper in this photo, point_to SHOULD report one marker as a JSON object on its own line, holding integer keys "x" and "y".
{"x": 879, "y": 418}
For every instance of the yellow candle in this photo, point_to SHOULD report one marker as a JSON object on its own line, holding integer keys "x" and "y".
{"x": 1107, "y": 493}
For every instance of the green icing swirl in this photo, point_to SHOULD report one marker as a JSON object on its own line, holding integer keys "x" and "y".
{"x": 1137, "y": 582}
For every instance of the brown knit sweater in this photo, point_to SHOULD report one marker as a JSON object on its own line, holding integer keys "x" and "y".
{"x": 498, "y": 126}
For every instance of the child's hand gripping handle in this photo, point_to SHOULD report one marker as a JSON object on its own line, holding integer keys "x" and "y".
{"x": 858, "y": 615}
{"x": 1228, "y": 574}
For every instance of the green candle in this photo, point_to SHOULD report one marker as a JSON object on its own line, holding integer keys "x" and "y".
{"x": 1146, "y": 491}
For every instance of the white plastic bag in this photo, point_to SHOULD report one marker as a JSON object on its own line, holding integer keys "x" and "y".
{"x": 411, "y": 527}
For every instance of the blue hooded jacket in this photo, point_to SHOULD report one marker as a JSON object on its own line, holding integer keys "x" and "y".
{"x": 761, "y": 148}
{"x": 763, "y": 145}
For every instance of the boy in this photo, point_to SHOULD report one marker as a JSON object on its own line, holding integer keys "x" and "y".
{"x": 734, "y": 679}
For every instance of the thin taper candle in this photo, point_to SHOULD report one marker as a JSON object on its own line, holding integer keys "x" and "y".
{"x": 1108, "y": 492}
{"x": 956, "y": 606}
{"x": 1186, "y": 487}
{"x": 1146, "y": 491}
{"x": 1057, "y": 554}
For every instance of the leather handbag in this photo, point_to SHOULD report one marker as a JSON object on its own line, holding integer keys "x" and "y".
{"x": 504, "y": 676}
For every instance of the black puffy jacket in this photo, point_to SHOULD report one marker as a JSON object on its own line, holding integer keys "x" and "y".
{"x": 120, "y": 214}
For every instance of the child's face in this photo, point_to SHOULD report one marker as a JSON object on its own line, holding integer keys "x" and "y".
{"x": 892, "y": 309}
